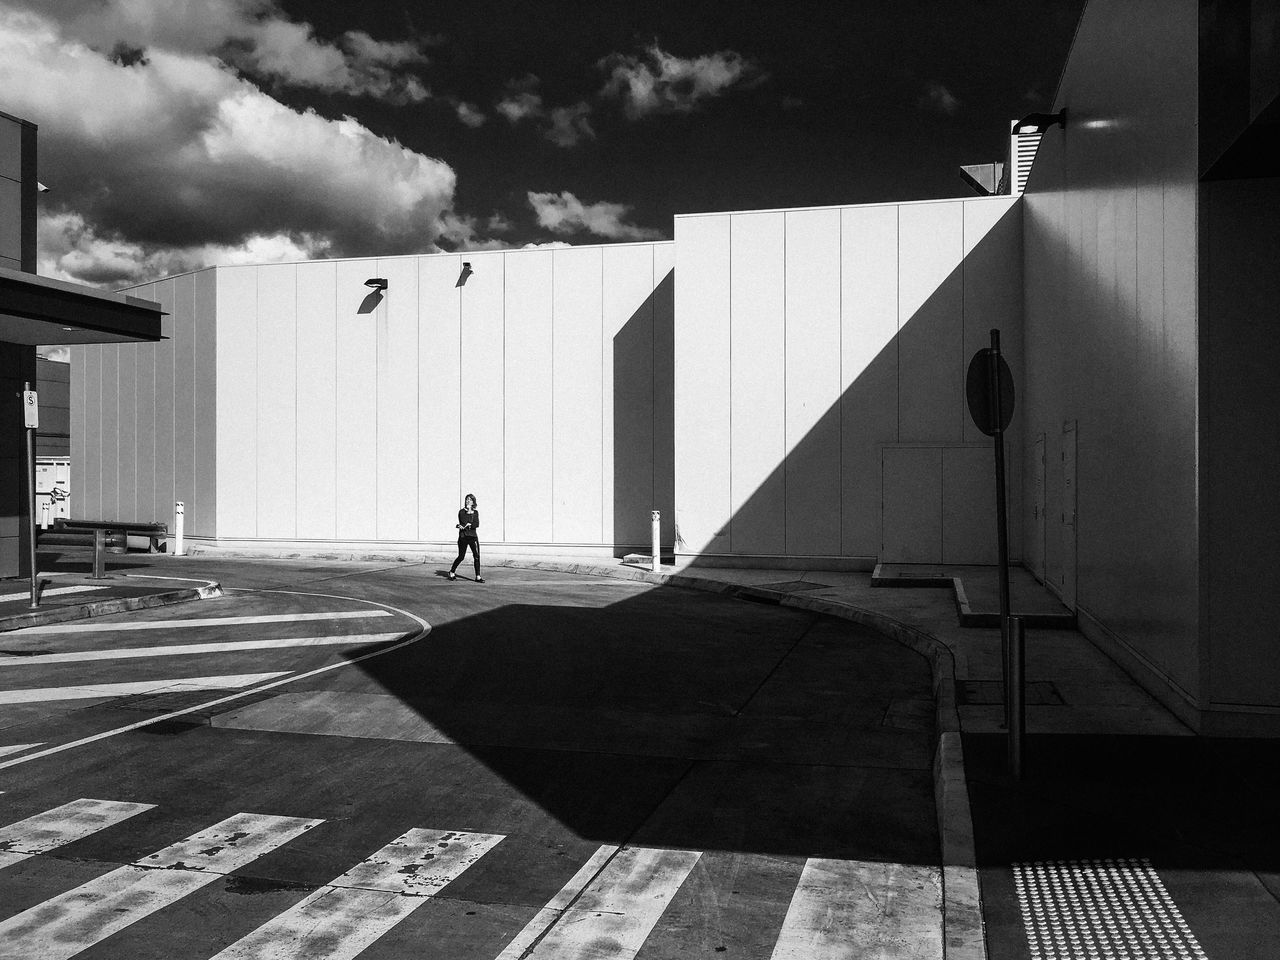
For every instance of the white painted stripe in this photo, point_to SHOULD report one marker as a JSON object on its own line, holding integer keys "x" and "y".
{"x": 46, "y": 694}
{"x": 50, "y": 592}
{"x": 424, "y": 628}
{"x": 125, "y": 626}
{"x": 544, "y": 918}
{"x": 62, "y": 825}
{"x": 17, "y": 748}
{"x": 620, "y": 908}
{"x": 340, "y": 920}
{"x": 845, "y": 908}
{"x": 189, "y": 649}
{"x": 64, "y": 925}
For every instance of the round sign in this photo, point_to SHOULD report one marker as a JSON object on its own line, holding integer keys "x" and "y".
{"x": 978, "y": 389}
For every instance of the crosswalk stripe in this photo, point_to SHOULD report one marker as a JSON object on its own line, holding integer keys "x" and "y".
{"x": 90, "y": 691}
{"x": 546, "y": 916}
{"x": 843, "y": 908}
{"x": 63, "y": 926}
{"x": 618, "y": 910}
{"x": 188, "y": 649}
{"x": 124, "y": 627}
{"x": 9, "y": 748}
{"x": 51, "y": 592}
{"x": 341, "y": 919}
{"x": 62, "y": 825}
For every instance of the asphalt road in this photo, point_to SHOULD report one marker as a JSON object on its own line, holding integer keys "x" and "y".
{"x": 562, "y": 766}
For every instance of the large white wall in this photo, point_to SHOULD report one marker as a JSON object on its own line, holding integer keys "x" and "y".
{"x": 143, "y": 415}
{"x": 820, "y": 358}
{"x": 1111, "y": 327}
{"x": 341, "y": 426}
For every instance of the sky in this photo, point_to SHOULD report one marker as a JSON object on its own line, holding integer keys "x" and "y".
{"x": 176, "y": 134}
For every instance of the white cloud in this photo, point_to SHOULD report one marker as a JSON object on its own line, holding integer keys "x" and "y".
{"x": 658, "y": 82}
{"x": 563, "y": 126}
{"x": 569, "y": 125}
{"x": 520, "y": 106}
{"x": 469, "y": 114}
{"x": 254, "y": 35}
{"x": 178, "y": 152}
{"x": 938, "y": 98}
{"x": 70, "y": 249}
{"x": 564, "y": 213}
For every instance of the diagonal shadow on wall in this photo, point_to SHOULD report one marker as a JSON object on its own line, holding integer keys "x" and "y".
{"x": 878, "y": 473}
{"x": 644, "y": 421}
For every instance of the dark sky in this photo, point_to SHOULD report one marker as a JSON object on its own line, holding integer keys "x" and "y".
{"x": 203, "y": 131}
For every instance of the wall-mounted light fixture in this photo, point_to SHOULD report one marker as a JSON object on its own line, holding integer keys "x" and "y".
{"x": 378, "y": 283}
{"x": 1040, "y": 122}
{"x": 466, "y": 272}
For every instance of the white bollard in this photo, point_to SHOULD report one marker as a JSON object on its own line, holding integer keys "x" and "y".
{"x": 657, "y": 538}
{"x": 44, "y": 516}
{"x": 179, "y": 521}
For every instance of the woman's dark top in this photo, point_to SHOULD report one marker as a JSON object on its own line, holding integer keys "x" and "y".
{"x": 472, "y": 517}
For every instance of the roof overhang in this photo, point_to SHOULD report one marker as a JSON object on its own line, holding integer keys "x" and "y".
{"x": 38, "y": 310}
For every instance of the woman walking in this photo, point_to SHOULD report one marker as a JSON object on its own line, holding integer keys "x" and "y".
{"x": 468, "y": 524}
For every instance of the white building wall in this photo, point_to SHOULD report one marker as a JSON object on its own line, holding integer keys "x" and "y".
{"x": 820, "y": 364}
{"x": 291, "y": 406}
{"x": 1111, "y": 328}
{"x": 142, "y": 416}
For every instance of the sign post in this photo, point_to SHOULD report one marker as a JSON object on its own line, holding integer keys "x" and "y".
{"x": 31, "y": 421}
{"x": 989, "y": 391}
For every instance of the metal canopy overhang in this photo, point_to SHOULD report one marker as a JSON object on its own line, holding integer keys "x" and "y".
{"x": 38, "y": 311}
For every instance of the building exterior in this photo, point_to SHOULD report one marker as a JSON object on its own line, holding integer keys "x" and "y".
{"x": 787, "y": 386}
{"x": 35, "y": 310}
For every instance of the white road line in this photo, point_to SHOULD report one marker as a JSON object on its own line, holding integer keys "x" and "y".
{"x": 123, "y": 626}
{"x": 64, "y": 925}
{"x": 51, "y": 592}
{"x": 619, "y": 909}
{"x": 62, "y": 825}
{"x": 545, "y": 917}
{"x": 45, "y": 694}
{"x": 341, "y": 919}
{"x": 16, "y": 748}
{"x": 844, "y": 908}
{"x": 187, "y": 649}
{"x": 424, "y": 628}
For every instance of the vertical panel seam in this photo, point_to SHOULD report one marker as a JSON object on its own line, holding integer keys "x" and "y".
{"x": 552, "y": 490}
{"x": 786, "y": 420}
{"x": 840, "y": 376}
{"x": 729, "y": 399}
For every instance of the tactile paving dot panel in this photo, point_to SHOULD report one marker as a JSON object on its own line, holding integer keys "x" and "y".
{"x": 1100, "y": 910}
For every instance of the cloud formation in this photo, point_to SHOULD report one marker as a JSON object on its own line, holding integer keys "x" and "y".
{"x": 175, "y": 157}
{"x": 565, "y": 214}
{"x": 563, "y": 126}
{"x": 655, "y": 81}
{"x": 939, "y": 99}
{"x": 255, "y": 36}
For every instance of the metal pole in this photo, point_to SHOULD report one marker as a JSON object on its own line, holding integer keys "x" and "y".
{"x": 31, "y": 503}
{"x": 179, "y": 523}
{"x": 1018, "y": 698}
{"x": 1002, "y": 526}
{"x": 656, "y": 518}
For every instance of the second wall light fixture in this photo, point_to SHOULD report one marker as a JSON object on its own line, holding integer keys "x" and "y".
{"x": 378, "y": 283}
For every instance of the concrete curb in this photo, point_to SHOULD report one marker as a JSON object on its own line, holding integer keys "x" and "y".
{"x": 963, "y": 933}
{"x": 207, "y": 589}
{"x": 964, "y": 612}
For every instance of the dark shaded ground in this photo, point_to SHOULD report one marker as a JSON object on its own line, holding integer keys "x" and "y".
{"x": 1203, "y": 811}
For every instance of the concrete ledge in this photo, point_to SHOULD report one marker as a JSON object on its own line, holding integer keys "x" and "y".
{"x": 967, "y": 618}
{"x": 202, "y": 590}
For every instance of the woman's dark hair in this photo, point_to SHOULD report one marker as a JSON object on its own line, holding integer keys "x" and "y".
{"x": 475, "y": 504}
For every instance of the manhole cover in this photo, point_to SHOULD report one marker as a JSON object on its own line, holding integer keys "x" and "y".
{"x": 1108, "y": 909}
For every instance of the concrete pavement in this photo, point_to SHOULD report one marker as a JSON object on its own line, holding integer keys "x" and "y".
{"x": 1103, "y": 756}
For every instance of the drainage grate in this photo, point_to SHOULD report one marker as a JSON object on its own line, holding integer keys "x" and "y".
{"x": 1105, "y": 909}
